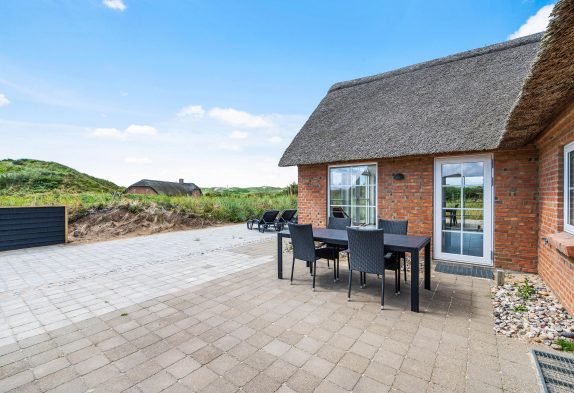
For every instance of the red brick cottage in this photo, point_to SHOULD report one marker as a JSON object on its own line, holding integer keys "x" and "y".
{"x": 474, "y": 149}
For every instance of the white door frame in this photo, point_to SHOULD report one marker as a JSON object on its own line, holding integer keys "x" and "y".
{"x": 486, "y": 259}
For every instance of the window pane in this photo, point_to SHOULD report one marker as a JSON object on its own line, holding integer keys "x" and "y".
{"x": 473, "y": 173}
{"x": 451, "y": 219}
{"x": 473, "y": 221}
{"x": 451, "y": 242}
{"x": 473, "y": 197}
{"x": 451, "y": 175}
{"x": 472, "y": 244}
{"x": 352, "y": 193}
{"x": 451, "y": 196}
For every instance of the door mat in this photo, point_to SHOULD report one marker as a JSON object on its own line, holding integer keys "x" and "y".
{"x": 463, "y": 269}
{"x": 556, "y": 372}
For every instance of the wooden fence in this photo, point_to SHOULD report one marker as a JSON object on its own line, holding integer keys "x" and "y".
{"x": 23, "y": 227}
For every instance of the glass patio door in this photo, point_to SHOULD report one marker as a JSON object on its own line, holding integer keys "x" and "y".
{"x": 463, "y": 209}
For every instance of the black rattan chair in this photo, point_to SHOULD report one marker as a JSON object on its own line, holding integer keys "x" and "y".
{"x": 268, "y": 218}
{"x": 304, "y": 248}
{"x": 367, "y": 255}
{"x": 337, "y": 223}
{"x": 286, "y": 217}
{"x": 397, "y": 227}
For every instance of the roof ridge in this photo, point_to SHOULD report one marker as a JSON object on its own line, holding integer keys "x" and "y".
{"x": 529, "y": 39}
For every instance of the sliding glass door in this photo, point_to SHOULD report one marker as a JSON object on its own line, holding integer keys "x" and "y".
{"x": 463, "y": 209}
{"x": 353, "y": 193}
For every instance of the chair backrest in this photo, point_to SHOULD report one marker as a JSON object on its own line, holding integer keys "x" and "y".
{"x": 339, "y": 222}
{"x": 302, "y": 240}
{"x": 397, "y": 227}
{"x": 269, "y": 215}
{"x": 366, "y": 250}
{"x": 288, "y": 214}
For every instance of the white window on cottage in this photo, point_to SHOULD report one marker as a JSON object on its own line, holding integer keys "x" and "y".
{"x": 353, "y": 193}
{"x": 569, "y": 188}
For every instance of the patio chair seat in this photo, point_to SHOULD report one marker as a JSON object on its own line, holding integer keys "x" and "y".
{"x": 304, "y": 249}
{"x": 397, "y": 227}
{"x": 367, "y": 255}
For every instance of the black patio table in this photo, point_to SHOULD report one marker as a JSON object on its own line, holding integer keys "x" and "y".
{"x": 405, "y": 243}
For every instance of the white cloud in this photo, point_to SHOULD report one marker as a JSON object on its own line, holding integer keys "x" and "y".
{"x": 535, "y": 24}
{"x": 117, "y": 5}
{"x": 4, "y": 100}
{"x": 137, "y": 160}
{"x": 135, "y": 129}
{"x": 195, "y": 111}
{"x": 238, "y": 135}
{"x": 108, "y": 133}
{"x": 275, "y": 139}
{"x": 238, "y": 118}
{"x": 132, "y": 131}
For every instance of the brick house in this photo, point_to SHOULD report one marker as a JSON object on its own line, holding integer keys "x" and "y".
{"x": 474, "y": 149}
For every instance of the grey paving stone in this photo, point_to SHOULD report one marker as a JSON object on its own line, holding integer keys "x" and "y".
{"x": 15, "y": 381}
{"x": 280, "y": 370}
{"x": 261, "y": 384}
{"x": 303, "y": 382}
{"x": 368, "y": 385}
{"x": 241, "y": 374}
{"x": 50, "y": 367}
{"x": 200, "y": 378}
{"x": 238, "y": 326}
{"x": 343, "y": 377}
{"x": 157, "y": 382}
{"x": 183, "y": 367}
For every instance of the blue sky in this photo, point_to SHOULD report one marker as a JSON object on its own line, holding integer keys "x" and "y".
{"x": 211, "y": 91}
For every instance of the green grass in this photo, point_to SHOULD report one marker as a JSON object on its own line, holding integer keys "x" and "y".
{"x": 567, "y": 345}
{"x": 40, "y": 183}
{"x": 231, "y": 208}
{"x": 520, "y": 308}
{"x": 22, "y": 177}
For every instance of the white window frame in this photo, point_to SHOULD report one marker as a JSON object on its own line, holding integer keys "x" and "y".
{"x": 567, "y": 150}
{"x": 350, "y": 166}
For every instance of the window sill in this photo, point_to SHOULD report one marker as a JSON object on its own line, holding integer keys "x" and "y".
{"x": 563, "y": 242}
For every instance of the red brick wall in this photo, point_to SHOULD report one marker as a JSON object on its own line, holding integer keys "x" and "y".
{"x": 515, "y": 192}
{"x": 312, "y": 199}
{"x": 409, "y": 199}
{"x": 516, "y": 209}
{"x": 556, "y": 269}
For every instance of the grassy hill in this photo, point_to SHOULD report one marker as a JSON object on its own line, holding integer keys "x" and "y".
{"x": 27, "y": 176}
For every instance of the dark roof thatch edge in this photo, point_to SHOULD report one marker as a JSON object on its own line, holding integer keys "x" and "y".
{"x": 442, "y": 60}
{"x": 156, "y": 185}
{"x": 549, "y": 86}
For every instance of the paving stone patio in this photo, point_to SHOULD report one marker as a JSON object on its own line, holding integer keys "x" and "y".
{"x": 238, "y": 328}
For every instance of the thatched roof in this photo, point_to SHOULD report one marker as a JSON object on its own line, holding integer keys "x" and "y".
{"x": 549, "y": 88}
{"x": 168, "y": 187}
{"x": 457, "y": 103}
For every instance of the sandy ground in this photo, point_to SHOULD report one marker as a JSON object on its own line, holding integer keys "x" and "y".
{"x": 120, "y": 222}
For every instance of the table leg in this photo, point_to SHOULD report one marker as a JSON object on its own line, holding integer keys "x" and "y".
{"x": 279, "y": 257}
{"x": 415, "y": 280}
{"x": 427, "y": 267}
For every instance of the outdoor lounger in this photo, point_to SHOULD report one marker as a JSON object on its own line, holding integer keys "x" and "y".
{"x": 288, "y": 216}
{"x": 268, "y": 218}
